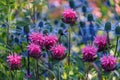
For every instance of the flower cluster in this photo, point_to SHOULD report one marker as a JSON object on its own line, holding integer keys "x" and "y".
{"x": 89, "y": 53}
{"x": 100, "y": 41}
{"x": 69, "y": 16}
{"x": 14, "y": 61}
{"x": 108, "y": 62}
{"x": 48, "y": 41}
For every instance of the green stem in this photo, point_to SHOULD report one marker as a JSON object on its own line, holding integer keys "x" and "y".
{"x": 116, "y": 46}
{"x": 8, "y": 22}
{"x": 49, "y": 71}
{"x": 98, "y": 71}
{"x": 69, "y": 45}
{"x": 58, "y": 71}
{"x": 12, "y": 78}
{"x": 37, "y": 73}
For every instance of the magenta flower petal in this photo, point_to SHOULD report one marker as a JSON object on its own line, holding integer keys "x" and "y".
{"x": 89, "y": 53}
{"x": 69, "y": 16}
{"x": 36, "y": 38}
{"x": 58, "y": 52}
{"x": 34, "y": 50}
{"x": 108, "y": 62}
{"x": 50, "y": 40}
{"x": 100, "y": 42}
{"x": 14, "y": 61}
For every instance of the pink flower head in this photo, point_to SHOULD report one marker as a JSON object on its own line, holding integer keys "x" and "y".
{"x": 50, "y": 40}
{"x": 89, "y": 53}
{"x": 14, "y": 61}
{"x": 100, "y": 42}
{"x": 34, "y": 50}
{"x": 58, "y": 52}
{"x": 69, "y": 16}
{"x": 37, "y": 38}
{"x": 108, "y": 62}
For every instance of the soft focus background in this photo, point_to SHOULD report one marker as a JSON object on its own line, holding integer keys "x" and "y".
{"x": 20, "y": 17}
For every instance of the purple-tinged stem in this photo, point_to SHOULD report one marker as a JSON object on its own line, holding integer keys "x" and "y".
{"x": 98, "y": 71}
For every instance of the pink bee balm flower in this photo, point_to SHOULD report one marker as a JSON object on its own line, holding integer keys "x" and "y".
{"x": 100, "y": 41}
{"x": 108, "y": 62}
{"x": 89, "y": 53}
{"x": 58, "y": 52}
{"x": 37, "y": 38}
{"x": 14, "y": 61}
{"x": 69, "y": 16}
{"x": 50, "y": 40}
{"x": 34, "y": 50}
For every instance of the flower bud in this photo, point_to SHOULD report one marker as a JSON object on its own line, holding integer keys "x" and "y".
{"x": 84, "y": 9}
{"x": 82, "y": 24}
{"x": 26, "y": 29}
{"x": 108, "y": 26}
{"x": 117, "y": 30}
{"x": 90, "y": 17}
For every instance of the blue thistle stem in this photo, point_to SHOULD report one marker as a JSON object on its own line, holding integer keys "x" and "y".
{"x": 116, "y": 46}
{"x": 28, "y": 59}
{"x": 108, "y": 41}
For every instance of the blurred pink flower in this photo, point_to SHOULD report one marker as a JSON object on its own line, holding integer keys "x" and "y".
{"x": 69, "y": 16}
{"x": 117, "y": 1}
{"x": 50, "y": 40}
{"x": 89, "y": 53}
{"x": 58, "y": 52}
{"x": 95, "y": 10}
{"x": 97, "y": 13}
{"x": 56, "y": 3}
{"x": 34, "y": 50}
{"x": 37, "y": 38}
{"x": 100, "y": 41}
{"x": 117, "y": 9}
{"x": 14, "y": 61}
{"x": 108, "y": 62}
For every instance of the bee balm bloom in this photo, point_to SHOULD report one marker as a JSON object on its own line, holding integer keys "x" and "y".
{"x": 108, "y": 62}
{"x": 89, "y": 53}
{"x": 100, "y": 42}
{"x": 14, "y": 61}
{"x": 36, "y": 38}
{"x": 50, "y": 40}
{"x": 34, "y": 50}
{"x": 58, "y": 52}
{"x": 69, "y": 16}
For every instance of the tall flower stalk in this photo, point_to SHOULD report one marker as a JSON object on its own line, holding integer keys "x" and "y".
{"x": 69, "y": 16}
{"x": 69, "y": 44}
{"x": 37, "y": 72}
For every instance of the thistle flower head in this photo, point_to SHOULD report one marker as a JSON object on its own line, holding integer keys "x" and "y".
{"x": 69, "y": 16}
{"x": 100, "y": 41}
{"x": 34, "y": 50}
{"x": 14, "y": 61}
{"x": 108, "y": 62}
{"x": 89, "y": 53}
{"x": 58, "y": 52}
{"x": 50, "y": 40}
{"x": 36, "y": 38}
